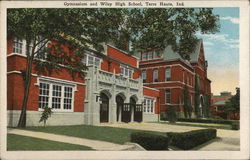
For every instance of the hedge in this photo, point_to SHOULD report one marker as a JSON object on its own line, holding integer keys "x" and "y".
{"x": 235, "y": 126}
{"x": 217, "y": 121}
{"x": 150, "y": 141}
{"x": 191, "y": 139}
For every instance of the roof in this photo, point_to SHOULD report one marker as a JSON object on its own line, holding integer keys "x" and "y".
{"x": 195, "y": 55}
{"x": 222, "y": 102}
{"x": 170, "y": 54}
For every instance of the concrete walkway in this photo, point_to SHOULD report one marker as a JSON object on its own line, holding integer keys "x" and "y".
{"x": 95, "y": 144}
{"x": 228, "y": 140}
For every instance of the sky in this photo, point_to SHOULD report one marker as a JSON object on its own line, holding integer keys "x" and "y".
{"x": 222, "y": 51}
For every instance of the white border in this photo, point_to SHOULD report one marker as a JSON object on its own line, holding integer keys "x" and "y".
{"x": 244, "y": 85}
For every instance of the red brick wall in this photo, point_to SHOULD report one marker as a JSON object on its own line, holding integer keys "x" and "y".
{"x": 121, "y": 56}
{"x": 15, "y": 83}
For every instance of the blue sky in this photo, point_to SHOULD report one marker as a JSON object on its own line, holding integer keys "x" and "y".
{"x": 222, "y": 51}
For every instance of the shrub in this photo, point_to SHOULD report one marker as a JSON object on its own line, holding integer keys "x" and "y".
{"x": 150, "y": 141}
{"x": 235, "y": 126}
{"x": 45, "y": 115}
{"x": 188, "y": 140}
{"x": 171, "y": 115}
{"x": 163, "y": 116}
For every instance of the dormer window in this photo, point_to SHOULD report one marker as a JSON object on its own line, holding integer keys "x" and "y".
{"x": 149, "y": 55}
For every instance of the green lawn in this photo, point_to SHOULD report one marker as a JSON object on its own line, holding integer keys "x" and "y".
{"x": 110, "y": 134}
{"x": 17, "y": 142}
{"x": 193, "y": 124}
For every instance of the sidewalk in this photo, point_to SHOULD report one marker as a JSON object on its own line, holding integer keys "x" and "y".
{"x": 97, "y": 145}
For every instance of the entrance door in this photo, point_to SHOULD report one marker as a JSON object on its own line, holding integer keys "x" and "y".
{"x": 126, "y": 112}
{"x": 138, "y": 113}
{"x": 104, "y": 108}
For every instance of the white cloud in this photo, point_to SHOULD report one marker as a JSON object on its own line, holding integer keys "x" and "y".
{"x": 207, "y": 43}
{"x": 224, "y": 38}
{"x": 232, "y": 19}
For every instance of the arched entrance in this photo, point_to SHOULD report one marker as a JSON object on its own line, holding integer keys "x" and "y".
{"x": 119, "y": 105}
{"x": 104, "y": 108}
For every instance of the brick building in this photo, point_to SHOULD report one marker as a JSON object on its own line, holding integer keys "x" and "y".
{"x": 168, "y": 72}
{"x": 111, "y": 91}
{"x": 117, "y": 87}
{"x": 217, "y": 104}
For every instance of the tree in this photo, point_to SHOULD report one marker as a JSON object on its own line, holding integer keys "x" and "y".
{"x": 158, "y": 28}
{"x": 196, "y": 96}
{"x": 233, "y": 104}
{"x": 77, "y": 28}
{"x": 187, "y": 104}
{"x": 81, "y": 28}
{"x": 45, "y": 115}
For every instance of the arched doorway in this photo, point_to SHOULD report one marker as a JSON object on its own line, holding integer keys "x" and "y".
{"x": 104, "y": 108}
{"x": 119, "y": 105}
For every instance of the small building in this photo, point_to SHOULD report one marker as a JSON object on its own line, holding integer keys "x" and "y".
{"x": 218, "y": 102}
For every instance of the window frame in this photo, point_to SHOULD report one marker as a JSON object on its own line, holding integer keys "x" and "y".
{"x": 154, "y": 76}
{"x": 168, "y": 96}
{"x": 149, "y": 105}
{"x": 62, "y": 95}
{"x": 168, "y": 72}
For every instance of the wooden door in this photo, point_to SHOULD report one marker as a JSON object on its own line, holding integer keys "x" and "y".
{"x": 138, "y": 113}
{"x": 104, "y": 108}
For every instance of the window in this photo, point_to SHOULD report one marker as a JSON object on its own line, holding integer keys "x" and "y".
{"x": 168, "y": 74}
{"x": 56, "y": 96}
{"x": 126, "y": 71}
{"x": 150, "y": 55}
{"x": 148, "y": 105}
{"x": 41, "y": 48}
{"x": 89, "y": 60}
{"x": 144, "y": 76}
{"x": 43, "y": 95}
{"x": 144, "y": 56}
{"x": 18, "y": 46}
{"x": 155, "y": 75}
{"x": 168, "y": 95}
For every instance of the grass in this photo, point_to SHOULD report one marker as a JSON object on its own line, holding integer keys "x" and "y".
{"x": 109, "y": 134}
{"x": 222, "y": 126}
{"x": 17, "y": 142}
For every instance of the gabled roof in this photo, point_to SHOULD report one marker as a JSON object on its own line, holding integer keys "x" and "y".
{"x": 195, "y": 55}
{"x": 170, "y": 54}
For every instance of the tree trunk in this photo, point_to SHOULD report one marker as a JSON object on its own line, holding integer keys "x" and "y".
{"x": 27, "y": 81}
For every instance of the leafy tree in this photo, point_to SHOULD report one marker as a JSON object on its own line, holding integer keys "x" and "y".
{"x": 187, "y": 104}
{"x": 171, "y": 115}
{"x": 45, "y": 115}
{"x": 77, "y": 28}
{"x": 84, "y": 28}
{"x": 233, "y": 105}
{"x": 196, "y": 96}
{"x": 160, "y": 27}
